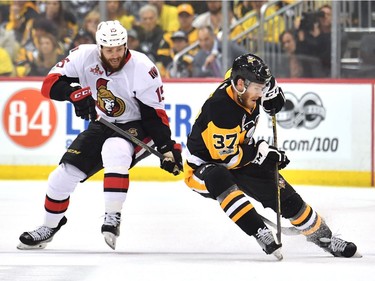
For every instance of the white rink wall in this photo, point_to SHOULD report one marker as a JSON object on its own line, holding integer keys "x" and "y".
{"x": 326, "y": 126}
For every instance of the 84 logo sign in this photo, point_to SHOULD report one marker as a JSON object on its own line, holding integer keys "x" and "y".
{"x": 29, "y": 119}
{"x": 308, "y": 111}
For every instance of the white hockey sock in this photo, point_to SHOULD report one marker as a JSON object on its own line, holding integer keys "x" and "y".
{"x": 61, "y": 183}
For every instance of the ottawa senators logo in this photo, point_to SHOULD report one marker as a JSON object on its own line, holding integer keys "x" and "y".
{"x": 107, "y": 102}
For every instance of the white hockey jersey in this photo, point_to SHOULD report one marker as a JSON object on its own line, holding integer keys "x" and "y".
{"x": 115, "y": 93}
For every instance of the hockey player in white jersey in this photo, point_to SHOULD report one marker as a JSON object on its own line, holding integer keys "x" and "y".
{"x": 124, "y": 87}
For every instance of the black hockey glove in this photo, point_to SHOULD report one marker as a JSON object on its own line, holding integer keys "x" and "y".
{"x": 84, "y": 104}
{"x": 172, "y": 161}
{"x": 273, "y": 97}
{"x": 267, "y": 156}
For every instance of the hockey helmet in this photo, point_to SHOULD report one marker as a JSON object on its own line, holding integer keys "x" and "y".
{"x": 111, "y": 34}
{"x": 250, "y": 68}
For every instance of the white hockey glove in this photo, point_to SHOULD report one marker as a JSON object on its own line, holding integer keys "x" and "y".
{"x": 273, "y": 97}
{"x": 172, "y": 161}
{"x": 267, "y": 156}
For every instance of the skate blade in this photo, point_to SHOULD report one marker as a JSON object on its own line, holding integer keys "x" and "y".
{"x": 277, "y": 253}
{"x": 110, "y": 239}
{"x": 357, "y": 255}
{"x": 22, "y": 246}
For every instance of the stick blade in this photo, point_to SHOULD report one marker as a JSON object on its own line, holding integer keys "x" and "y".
{"x": 290, "y": 231}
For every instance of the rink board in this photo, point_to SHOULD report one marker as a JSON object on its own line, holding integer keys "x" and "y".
{"x": 327, "y": 129}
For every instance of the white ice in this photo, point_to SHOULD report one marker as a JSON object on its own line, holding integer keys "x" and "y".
{"x": 171, "y": 233}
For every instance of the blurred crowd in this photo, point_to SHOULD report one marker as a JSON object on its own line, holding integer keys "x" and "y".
{"x": 34, "y": 35}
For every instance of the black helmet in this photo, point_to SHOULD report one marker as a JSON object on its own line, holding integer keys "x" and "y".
{"x": 250, "y": 67}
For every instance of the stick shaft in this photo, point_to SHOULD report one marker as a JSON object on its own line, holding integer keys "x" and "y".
{"x": 130, "y": 137}
{"x": 278, "y": 203}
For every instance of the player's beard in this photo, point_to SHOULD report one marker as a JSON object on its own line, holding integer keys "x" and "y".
{"x": 108, "y": 65}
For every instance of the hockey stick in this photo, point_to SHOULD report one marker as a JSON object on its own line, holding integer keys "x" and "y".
{"x": 284, "y": 230}
{"x": 278, "y": 203}
{"x": 130, "y": 137}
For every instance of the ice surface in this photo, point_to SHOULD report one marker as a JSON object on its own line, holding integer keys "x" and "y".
{"x": 171, "y": 233}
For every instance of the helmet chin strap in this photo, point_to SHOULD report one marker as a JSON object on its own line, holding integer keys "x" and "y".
{"x": 240, "y": 93}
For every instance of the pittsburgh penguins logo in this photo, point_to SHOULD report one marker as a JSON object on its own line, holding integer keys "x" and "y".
{"x": 107, "y": 102}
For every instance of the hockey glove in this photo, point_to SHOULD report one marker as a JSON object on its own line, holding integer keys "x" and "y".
{"x": 84, "y": 104}
{"x": 273, "y": 97}
{"x": 267, "y": 156}
{"x": 172, "y": 161}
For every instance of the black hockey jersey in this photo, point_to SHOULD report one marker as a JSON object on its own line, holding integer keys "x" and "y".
{"x": 223, "y": 131}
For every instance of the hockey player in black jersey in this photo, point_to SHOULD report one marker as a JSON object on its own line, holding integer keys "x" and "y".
{"x": 224, "y": 162}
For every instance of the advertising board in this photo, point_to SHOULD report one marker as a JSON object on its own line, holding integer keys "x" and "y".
{"x": 326, "y": 129}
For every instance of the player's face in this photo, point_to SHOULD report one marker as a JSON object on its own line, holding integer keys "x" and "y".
{"x": 113, "y": 57}
{"x": 252, "y": 94}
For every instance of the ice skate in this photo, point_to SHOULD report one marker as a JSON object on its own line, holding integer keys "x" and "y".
{"x": 111, "y": 228}
{"x": 266, "y": 240}
{"x": 339, "y": 247}
{"x": 38, "y": 238}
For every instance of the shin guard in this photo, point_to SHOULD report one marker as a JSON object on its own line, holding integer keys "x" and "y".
{"x": 239, "y": 209}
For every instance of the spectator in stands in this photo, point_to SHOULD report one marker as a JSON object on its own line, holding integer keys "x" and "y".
{"x": 199, "y": 7}
{"x": 186, "y": 17}
{"x": 290, "y": 65}
{"x": 82, "y": 37}
{"x": 293, "y": 64}
{"x": 214, "y": 18}
{"x": 29, "y": 51}
{"x": 307, "y": 34}
{"x": 8, "y": 40}
{"x": 116, "y": 11}
{"x": 241, "y": 8}
{"x": 207, "y": 62}
{"x": 6, "y": 65}
{"x": 133, "y": 40}
{"x": 324, "y": 38}
{"x": 184, "y": 65}
{"x": 64, "y": 19}
{"x": 273, "y": 28}
{"x": 235, "y": 29}
{"x": 167, "y": 52}
{"x": 81, "y": 8}
{"x": 21, "y": 16}
{"x": 48, "y": 55}
{"x": 150, "y": 33}
{"x": 91, "y": 21}
{"x": 132, "y": 7}
{"x": 167, "y": 16}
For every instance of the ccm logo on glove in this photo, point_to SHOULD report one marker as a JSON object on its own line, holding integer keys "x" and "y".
{"x": 80, "y": 94}
{"x": 84, "y": 104}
